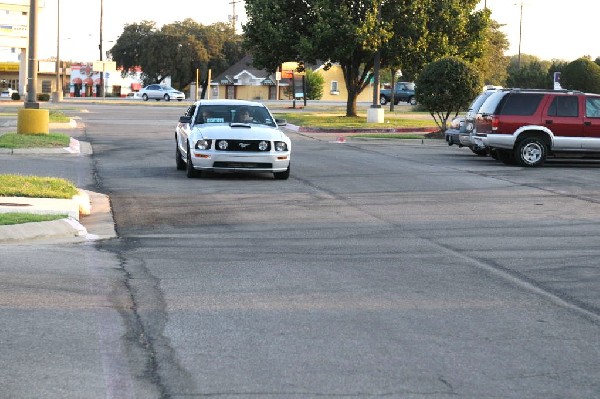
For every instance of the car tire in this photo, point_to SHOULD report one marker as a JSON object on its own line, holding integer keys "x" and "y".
{"x": 480, "y": 152}
{"x": 167, "y": 97}
{"x": 282, "y": 175}
{"x": 382, "y": 100}
{"x": 145, "y": 97}
{"x": 412, "y": 101}
{"x": 178, "y": 158}
{"x": 531, "y": 152}
{"x": 190, "y": 172}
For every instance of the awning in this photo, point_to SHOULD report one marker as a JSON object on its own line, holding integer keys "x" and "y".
{"x": 76, "y": 81}
{"x": 96, "y": 81}
{"x": 88, "y": 81}
{"x": 136, "y": 86}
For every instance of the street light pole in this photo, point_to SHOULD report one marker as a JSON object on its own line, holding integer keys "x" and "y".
{"x": 520, "y": 35}
{"x": 32, "y": 67}
{"x": 59, "y": 89}
{"x": 100, "y": 47}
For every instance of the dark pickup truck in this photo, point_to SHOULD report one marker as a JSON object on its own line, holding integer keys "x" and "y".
{"x": 405, "y": 91}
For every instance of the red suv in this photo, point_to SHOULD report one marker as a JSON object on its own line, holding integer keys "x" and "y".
{"x": 526, "y": 126}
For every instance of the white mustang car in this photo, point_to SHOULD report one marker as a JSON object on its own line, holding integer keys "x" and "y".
{"x": 231, "y": 136}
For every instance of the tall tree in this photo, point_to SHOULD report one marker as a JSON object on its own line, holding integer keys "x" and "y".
{"x": 176, "y": 50}
{"x": 493, "y": 64}
{"x": 350, "y": 32}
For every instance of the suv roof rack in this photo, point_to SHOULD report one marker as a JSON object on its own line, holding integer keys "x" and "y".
{"x": 517, "y": 89}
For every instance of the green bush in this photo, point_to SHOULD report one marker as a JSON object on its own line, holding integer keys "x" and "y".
{"x": 446, "y": 87}
{"x": 43, "y": 97}
{"x": 15, "y": 96}
{"x": 581, "y": 74}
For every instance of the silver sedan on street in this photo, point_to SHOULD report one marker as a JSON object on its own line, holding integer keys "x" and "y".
{"x": 231, "y": 136}
{"x": 158, "y": 92}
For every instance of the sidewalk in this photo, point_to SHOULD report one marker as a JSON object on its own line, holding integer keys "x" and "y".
{"x": 89, "y": 215}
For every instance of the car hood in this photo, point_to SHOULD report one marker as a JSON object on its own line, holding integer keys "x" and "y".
{"x": 254, "y": 132}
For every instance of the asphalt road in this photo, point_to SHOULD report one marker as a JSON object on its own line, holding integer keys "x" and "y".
{"x": 377, "y": 270}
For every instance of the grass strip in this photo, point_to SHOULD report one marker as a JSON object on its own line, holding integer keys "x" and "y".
{"x": 19, "y": 218}
{"x": 337, "y": 121}
{"x": 36, "y": 187}
{"x": 52, "y": 140}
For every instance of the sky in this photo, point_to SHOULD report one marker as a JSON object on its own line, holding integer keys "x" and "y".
{"x": 551, "y": 29}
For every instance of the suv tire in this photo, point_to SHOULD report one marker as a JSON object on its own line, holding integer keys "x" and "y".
{"x": 382, "y": 100}
{"x": 531, "y": 152}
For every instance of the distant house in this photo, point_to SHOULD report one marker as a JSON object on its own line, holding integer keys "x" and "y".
{"x": 334, "y": 85}
{"x": 244, "y": 82}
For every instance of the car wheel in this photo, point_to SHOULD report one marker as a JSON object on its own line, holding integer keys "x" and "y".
{"x": 531, "y": 152}
{"x": 189, "y": 166}
{"x": 178, "y": 159}
{"x": 145, "y": 97}
{"x": 412, "y": 101}
{"x": 282, "y": 175}
{"x": 481, "y": 152}
{"x": 383, "y": 100}
{"x": 167, "y": 98}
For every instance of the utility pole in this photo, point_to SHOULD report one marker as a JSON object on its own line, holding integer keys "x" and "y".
{"x": 100, "y": 47}
{"x": 59, "y": 89}
{"x": 233, "y": 17}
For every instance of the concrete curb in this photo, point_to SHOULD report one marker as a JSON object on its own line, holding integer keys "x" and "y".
{"x": 99, "y": 221}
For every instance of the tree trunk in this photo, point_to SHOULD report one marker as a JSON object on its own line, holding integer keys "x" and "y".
{"x": 355, "y": 82}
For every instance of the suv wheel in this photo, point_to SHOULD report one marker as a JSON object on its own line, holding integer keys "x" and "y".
{"x": 531, "y": 152}
{"x": 382, "y": 100}
{"x": 412, "y": 101}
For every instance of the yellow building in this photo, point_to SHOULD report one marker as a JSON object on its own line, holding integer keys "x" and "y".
{"x": 334, "y": 86}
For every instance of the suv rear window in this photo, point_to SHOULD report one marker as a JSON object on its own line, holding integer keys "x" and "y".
{"x": 489, "y": 106}
{"x": 521, "y": 104}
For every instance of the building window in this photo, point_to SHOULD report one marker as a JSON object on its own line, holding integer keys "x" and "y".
{"x": 334, "y": 87}
{"x": 46, "y": 86}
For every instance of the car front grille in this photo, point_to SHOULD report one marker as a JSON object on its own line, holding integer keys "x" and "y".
{"x": 242, "y": 145}
{"x": 243, "y": 165}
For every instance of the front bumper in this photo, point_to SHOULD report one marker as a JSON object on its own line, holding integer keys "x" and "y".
{"x": 235, "y": 161}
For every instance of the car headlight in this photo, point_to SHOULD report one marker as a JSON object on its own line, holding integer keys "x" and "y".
{"x": 202, "y": 144}
{"x": 263, "y": 146}
{"x": 280, "y": 146}
{"x": 223, "y": 144}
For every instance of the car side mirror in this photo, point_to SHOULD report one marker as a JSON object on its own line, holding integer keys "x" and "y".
{"x": 185, "y": 119}
{"x": 281, "y": 122}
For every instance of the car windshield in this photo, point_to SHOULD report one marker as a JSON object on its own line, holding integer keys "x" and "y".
{"x": 243, "y": 114}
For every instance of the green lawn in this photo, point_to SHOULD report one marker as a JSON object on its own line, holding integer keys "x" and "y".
{"x": 333, "y": 120}
{"x": 18, "y": 218}
{"x": 33, "y": 186}
{"x": 36, "y": 187}
{"x": 13, "y": 140}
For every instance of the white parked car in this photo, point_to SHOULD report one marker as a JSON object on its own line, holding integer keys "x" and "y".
{"x": 158, "y": 92}
{"x": 7, "y": 92}
{"x": 231, "y": 136}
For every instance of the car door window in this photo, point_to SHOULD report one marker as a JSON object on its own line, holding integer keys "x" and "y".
{"x": 567, "y": 106}
{"x": 592, "y": 107}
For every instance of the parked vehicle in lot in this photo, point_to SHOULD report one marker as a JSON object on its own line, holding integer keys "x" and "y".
{"x": 7, "y": 92}
{"x": 468, "y": 131}
{"x": 527, "y": 126}
{"x": 405, "y": 91}
{"x": 158, "y": 92}
{"x": 231, "y": 136}
{"x": 462, "y": 127}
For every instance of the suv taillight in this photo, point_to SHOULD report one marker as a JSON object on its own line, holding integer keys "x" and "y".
{"x": 495, "y": 122}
